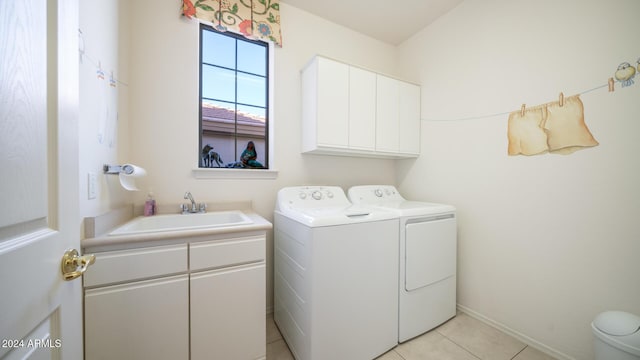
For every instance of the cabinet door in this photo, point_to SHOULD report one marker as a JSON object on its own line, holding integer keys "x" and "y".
{"x": 333, "y": 103}
{"x": 139, "y": 320}
{"x": 387, "y": 130}
{"x": 228, "y": 314}
{"x": 362, "y": 109}
{"x": 409, "y": 118}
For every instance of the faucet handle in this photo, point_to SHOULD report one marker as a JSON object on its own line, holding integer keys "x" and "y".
{"x": 203, "y": 207}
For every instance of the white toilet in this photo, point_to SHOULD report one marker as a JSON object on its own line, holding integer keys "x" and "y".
{"x": 617, "y": 336}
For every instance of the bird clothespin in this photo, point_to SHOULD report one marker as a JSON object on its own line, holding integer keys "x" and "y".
{"x": 99, "y": 71}
{"x": 625, "y": 74}
{"x": 561, "y": 99}
{"x": 611, "y": 85}
{"x": 522, "y": 109}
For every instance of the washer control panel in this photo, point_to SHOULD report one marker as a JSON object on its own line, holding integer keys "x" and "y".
{"x": 311, "y": 197}
{"x": 317, "y": 194}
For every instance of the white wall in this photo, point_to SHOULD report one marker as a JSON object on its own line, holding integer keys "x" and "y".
{"x": 103, "y": 125}
{"x": 164, "y": 109}
{"x": 164, "y": 106}
{"x": 545, "y": 242}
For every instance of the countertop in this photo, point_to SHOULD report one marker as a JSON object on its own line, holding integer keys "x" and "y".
{"x": 104, "y": 240}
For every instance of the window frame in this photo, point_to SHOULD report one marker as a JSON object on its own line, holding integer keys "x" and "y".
{"x": 269, "y": 172}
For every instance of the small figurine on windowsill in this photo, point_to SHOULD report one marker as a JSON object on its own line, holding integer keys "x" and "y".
{"x": 209, "y": 156}
{"x": 249, "y": 156}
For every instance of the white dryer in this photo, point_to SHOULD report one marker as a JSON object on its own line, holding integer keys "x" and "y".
{"x": 335, "y": 275}
{"x": 428, "y": 238}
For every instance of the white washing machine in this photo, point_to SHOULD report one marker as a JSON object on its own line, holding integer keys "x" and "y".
{"x": 428, "y": 238}
{"x": 335, "y": 275}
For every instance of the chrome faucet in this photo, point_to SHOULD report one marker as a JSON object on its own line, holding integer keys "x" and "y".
{"x": 195, "y": 208}
{"x": 187, "y": 195}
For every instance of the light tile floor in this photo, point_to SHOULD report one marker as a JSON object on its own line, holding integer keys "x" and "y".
{"x": 461, "y": 338}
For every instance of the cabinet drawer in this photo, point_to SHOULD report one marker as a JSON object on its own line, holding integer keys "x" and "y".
{"x": 126, "y": 265}
{"x": 220, "y": 253}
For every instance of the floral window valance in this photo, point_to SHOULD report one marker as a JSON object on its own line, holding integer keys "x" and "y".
{"x": 255, "y": 19}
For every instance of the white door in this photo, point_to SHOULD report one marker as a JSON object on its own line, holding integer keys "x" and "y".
{"x": 40, "y": 313}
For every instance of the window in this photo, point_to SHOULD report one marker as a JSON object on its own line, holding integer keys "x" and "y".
{"x": 234, "y": 100}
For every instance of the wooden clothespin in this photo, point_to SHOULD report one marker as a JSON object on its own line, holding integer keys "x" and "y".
{"x": 522, "y": 109}
{"x": 561, "y": 99}
{"x": 611, "y": 85}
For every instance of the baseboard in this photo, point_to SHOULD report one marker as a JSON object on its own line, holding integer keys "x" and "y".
{"x": 518, "y": 335}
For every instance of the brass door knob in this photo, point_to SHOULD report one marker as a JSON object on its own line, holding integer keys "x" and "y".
{"x": 73, "y": 265}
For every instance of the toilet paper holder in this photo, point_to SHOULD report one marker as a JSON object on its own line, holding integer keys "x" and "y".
{"x": 117, "y": 169}
{"x": 127, "y": 174}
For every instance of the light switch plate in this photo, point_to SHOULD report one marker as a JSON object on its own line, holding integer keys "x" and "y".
{"x": 92, "y": 185}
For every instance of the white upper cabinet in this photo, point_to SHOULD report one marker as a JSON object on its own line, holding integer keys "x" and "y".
{"x": 387, "y": 114}
{"x": 333, "y": 103}
{"x": 326, "y": 100}
{"x": 362, "y": 109}
{"x": 409, "y": 110}
{"x": 350, "y": 111}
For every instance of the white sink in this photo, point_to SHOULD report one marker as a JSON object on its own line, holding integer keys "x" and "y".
{"x": 177, "y": 222}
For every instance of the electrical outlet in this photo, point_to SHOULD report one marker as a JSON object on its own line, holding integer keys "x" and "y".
{"x": 92, "y": 185}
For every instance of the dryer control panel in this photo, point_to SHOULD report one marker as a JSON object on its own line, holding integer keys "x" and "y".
{"x": 374, "y": 194}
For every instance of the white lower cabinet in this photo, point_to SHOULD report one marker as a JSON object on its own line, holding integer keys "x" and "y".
{"x": 228, "y": 314}
{"x": 138, "y": 320}
{"x": 227, "y": 292}
{"x": 195, "y": 300}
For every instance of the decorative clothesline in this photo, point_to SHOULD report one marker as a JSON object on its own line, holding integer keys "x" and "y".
{"x": 625, "y": 81}
{"x": 609, "y": 84}
{"x": 96, "y": 63}
{"x": 556, "y": 127}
